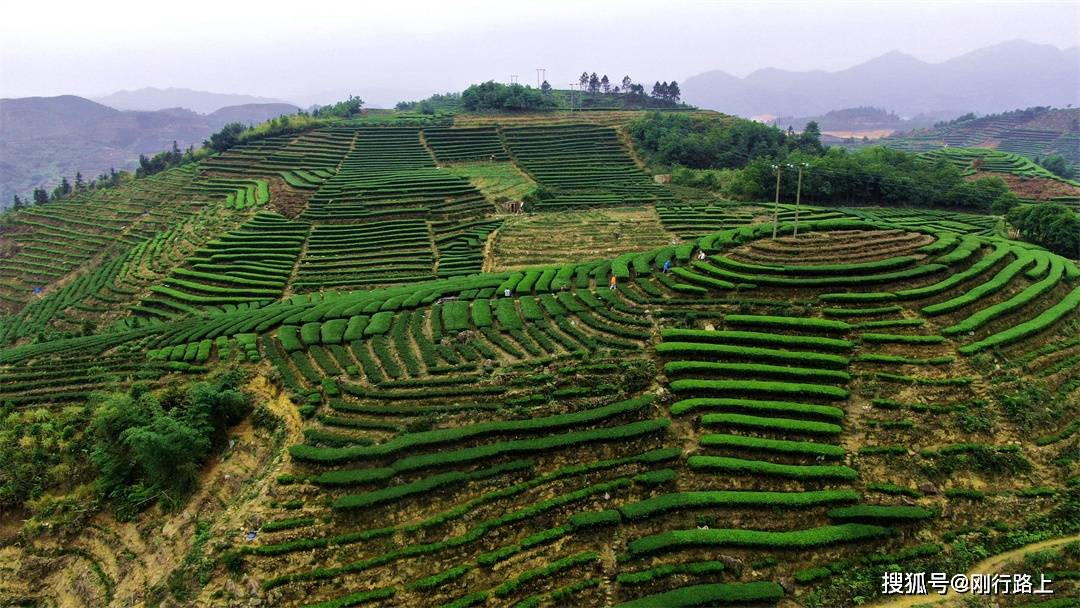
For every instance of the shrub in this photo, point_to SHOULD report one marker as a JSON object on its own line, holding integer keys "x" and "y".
{"x": 806, "y": 448}
{"x": 773, "y": 424}
{"x": 809, "y": 359}
{"x": 379, "y": 323}
{"x": 761, "y": 467}
{"x": 724, "y": 498}
{"x": 711, "y": 594}
{"x": 721, "y": 537}
{"x": 759, "y": 386}
{"x": 689, "y": 405}
{"x": 880, "y": 513}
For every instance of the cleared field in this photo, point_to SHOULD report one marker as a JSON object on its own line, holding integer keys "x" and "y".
{"x": 567, "y": 236}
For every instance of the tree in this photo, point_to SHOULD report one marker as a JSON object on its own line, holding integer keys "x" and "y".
{"x": 343, "y": 109}
{"x": 40, "y": 196}
{"x": 492, "y": 95}
{"x": 810, "y": 139}
{"x": 673, "y": 91}
{"x": 545, "y": 88}
{"x": 584, "y": 79}
{"x": 80, "y": 185}
{"x": 626, "y": 83}
{"x": 227, "y": 137}
{"x": 1056, "y": 164}
{"x": 605, "y": 84}
{"x": 657, "y": 90}
{"x": 17, "y": 203}
{"x": 1053, "y": 226}
{"x": 594, "y": 83}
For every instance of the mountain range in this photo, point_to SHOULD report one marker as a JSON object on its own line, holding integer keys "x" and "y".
{"x": 1005, "y": 76}
{"x": 203, "y": 102}
{"x": 45, "y": 138}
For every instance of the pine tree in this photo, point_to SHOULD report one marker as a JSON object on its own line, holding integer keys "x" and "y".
{"x": 594, "y": 83}
{"x": 605, "y": 85}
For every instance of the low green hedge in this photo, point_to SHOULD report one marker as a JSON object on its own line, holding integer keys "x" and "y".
{"x": 685, "y": 406}
{"x": 1027, "y": 328}
{"x": 727, "y": 537}
{"x": 796, "y": 323}
{"x": 710, "y": 594}
{"x": 753, "y": 337}
{"x": 901, "y": 338}
{"x": 752, "y": 353}
{"x": 1018, "y": 301}
{"x": 821, "y": 391}
{"x": 756, "y": 369}
{"x": 781, "y": 446}
{"x": 788, "y": 425}
{"x": 889, "y": 513}
{"x": 413, "y": 441}
{"x": 729, "y": 498}
{"x": 762, "y": 467}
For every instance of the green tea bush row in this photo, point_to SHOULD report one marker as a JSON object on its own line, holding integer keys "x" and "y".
{"x": 685, "y": 406}
{"x": 756, "y": 369}
{"x": 811, "y": 359}
{"x": 711, "y": 594}
{"x": 1025, "y": 298}
{"x": 412, "y": 441}
{"x": 779, "y": 446}
{"x": 983, "y": 290}
{"x": 890, "y": 513}
{"x": 759, "y": 386}
{"x": 721, "y": 537}
{"x": 1027, "y": 328}
{"x": 788, "y": 425}
{"x": 664, "y": 503}
{"x": 758, "y": 338}
{"x": 762, "y": 467}
{"x": 901, "y": 338}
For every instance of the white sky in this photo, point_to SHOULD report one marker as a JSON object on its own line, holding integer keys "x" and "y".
{"x": 384, "y": 51}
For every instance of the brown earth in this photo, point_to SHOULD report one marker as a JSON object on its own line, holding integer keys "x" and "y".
{"x": 1034, "y": 188}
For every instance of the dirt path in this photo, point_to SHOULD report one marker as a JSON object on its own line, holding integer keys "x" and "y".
{"x": 989, "y": 565}
{"x": 489, "y": 251}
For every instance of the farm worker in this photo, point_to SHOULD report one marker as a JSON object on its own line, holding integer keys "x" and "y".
{"x": 667, "y": 265}
{"x": 701, "y": 254}
{"x": 506, "y": 293}
{"x": 611, "y": 285}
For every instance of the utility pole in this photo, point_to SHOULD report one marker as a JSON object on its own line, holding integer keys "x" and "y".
{"x": 776, "y": 202}
{"x": 541, "y": 74}
{"x": 798, "y": 192}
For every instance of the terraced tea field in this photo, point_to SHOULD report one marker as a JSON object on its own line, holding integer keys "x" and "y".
{"x": 566, "y": 236}
{"x": 466, "y": 414}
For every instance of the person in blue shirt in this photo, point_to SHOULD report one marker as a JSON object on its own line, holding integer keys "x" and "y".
{"x": 667, "y": 265}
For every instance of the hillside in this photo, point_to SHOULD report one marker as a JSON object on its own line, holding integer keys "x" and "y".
{"x": 631, "y": 395}
{"x": 1033, "y": 133}
{"x": 1015, "y": 74}
{"x": 45, "y": 138}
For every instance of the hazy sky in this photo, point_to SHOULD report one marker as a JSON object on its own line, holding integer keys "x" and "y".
{"x": 383, "y": 51}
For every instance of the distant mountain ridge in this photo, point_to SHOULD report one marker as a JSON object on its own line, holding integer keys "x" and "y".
{"x": 204, "y": 102}
{"x": 1015, "y": 74}
{"x": 45, "y": 138}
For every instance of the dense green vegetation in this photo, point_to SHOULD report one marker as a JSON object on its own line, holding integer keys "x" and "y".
{"x": 577, "y": 430}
